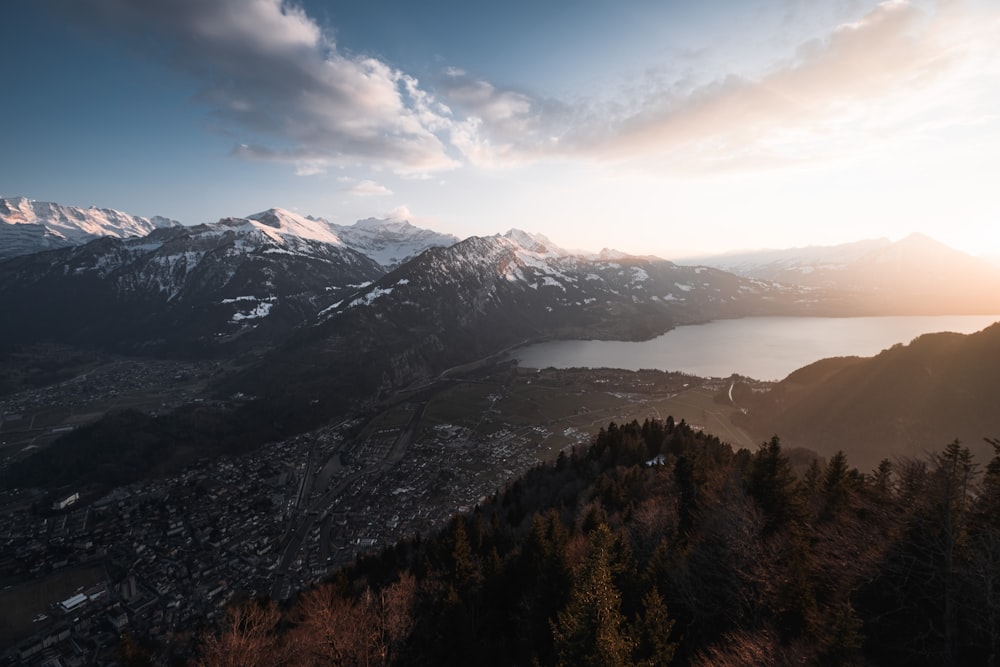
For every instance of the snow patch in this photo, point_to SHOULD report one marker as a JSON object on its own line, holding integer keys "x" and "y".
{"x": 262, "y": 309}
{"x": 368, "y": 298}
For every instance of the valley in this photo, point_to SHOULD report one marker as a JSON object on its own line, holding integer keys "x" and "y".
{"x": 32, "y": 418}
{"x": 490, "y": 334}
{"x": 277, "y": 518}
{"x": 208, "y": 415}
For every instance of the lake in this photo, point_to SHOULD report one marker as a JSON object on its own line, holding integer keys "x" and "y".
{"x": 765, "y": 348}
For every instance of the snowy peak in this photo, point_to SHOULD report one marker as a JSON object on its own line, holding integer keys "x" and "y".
{"x": 28, "y": 226}
{"x": 385, "y": 226}
{"x": 391, "y": 242}
{"x": 280, "y": 225}
{"x": 535, "y": 243}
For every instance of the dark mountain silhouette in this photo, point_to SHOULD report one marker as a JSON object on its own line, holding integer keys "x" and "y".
{"x": 906, "y": 401}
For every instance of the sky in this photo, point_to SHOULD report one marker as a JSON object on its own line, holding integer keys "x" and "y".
{"x": 673, "y": 128}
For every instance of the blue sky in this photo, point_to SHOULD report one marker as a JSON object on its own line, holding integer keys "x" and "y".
{"x": 671, "y": 128}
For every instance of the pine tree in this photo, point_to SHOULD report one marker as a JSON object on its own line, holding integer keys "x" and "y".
{"x": 655, "y": 648}
{"x": 466, "y": 569}
{"x": 590, "y": 631}
{"x": 773, "y": 486}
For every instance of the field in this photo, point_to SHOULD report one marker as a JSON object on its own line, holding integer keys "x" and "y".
{"x": 20, "y": 605}
{"x": 552, "y": 409}
{"x": 33, "y": 418}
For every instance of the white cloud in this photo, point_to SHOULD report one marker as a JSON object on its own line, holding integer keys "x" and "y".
{"x": 863, "y": 83}
{"x": 267, "y": 68}
{"x": 368, "y": 188}
{"x": 501, "y": 127}
{"x": 399, "y": 213}
{"x": 865, "y": 78}
{"x": 274, "y": 76}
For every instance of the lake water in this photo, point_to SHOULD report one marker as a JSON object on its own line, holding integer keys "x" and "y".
{"x": 765, "y": 348}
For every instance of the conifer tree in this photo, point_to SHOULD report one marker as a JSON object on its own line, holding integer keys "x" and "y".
{"x": 773, "y": 486}
{"x": 590, "y": 631}
{"x": 655, "y": 648}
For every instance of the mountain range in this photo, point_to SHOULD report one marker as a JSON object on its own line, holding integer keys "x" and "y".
{"x": 343, "y": 315}
{"x": 185, "y": 290}
{"x": 251, "y": 280}
{"x": 455, "y": 305}
{"x": 28, "y": 226}
{"x": 916, "y": 275}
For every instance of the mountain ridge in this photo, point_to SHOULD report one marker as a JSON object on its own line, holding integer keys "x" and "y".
{"x": 915, "y": 275}
{"x": 889, "y": 405}
{"x": 185, "y": 289}
{"x": 28, "y": 226}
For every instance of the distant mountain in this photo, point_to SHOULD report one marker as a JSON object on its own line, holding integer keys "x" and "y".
{"x": 390, "y": 242}
{"x": 906, "y": 401}
{"x": 182, "y": 290}
{"x": 808, "y": 265}
{"x": 454, "y": 305}
{"x": 28, "y": 226}
{"x": 916, "y": 275}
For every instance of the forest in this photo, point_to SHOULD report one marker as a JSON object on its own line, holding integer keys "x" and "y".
{"x": 659, "y": 544}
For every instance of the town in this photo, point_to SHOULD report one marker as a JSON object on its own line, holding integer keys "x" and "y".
{"x": 157, "y": 560}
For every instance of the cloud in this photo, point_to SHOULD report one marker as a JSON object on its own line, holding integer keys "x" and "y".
{"x": 267, "y": 68}
{"x": 278, "y": 80}
{"x": 368, "y": 188}
{"x": 862, "y": 82}
{"x": 501, "y": 127}
{"x": 399, "y": 213}
{"x": 403, "y": 213}
{"x": 829, "y": 92}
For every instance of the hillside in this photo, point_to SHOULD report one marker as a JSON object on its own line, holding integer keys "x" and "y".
{"x": 660, "y": 545}
{"x": 905, "y": 401}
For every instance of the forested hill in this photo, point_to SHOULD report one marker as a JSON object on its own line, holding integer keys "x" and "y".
{"x": 661, "y": 545}
{"x": 905, "y": 401}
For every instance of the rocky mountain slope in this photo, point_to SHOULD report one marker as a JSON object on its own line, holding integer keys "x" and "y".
{"x": 182, "y": 290}
{"x": 28, "y": 226}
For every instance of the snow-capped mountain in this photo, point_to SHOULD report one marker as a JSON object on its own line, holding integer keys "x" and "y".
{"x": 390, "y": 242}
{"x": 252, "y": 278}
{"x": 574, "y": 294}
{"x": 915, "y": 275}
{"x": 28, "y": 226}
{"x": 286, "y": 227}
{"x": 450, "y": 306}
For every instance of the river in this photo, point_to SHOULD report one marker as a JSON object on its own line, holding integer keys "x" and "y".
{"x": 765, "y": 348}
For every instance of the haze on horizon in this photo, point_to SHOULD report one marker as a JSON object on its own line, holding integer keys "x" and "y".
{"x": 653, "y": 127}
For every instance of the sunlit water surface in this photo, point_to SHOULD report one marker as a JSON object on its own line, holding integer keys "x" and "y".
{"x": 766, "y": 348}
